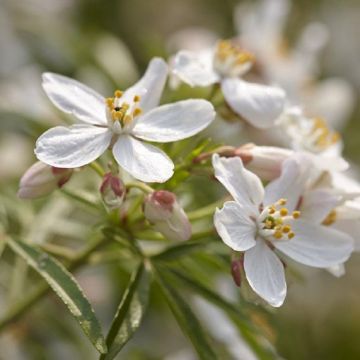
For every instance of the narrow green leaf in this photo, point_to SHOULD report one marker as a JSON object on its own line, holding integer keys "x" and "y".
{"x": 66, "y": 287}
{"x": 263, "y": 349}
{"x": 187, "y": 321}
{"x": 175, "y": 251}
{"x": 130, "y": 312}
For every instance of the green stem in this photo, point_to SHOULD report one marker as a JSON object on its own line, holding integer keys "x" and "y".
{"x": 203, "y": 234}
{"x": 18, "y": 309}
{"x": 141, "y": 186}
{"x": 79, "y": 198}
{"x": 205, "y": 211}
{"x": 97, "y": 168}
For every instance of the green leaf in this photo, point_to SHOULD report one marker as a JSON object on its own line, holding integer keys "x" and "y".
{"x": 66, "y": 287}
{"x": 187, "y": 321}
{"x": 263, "y": 349}
{"x": 175, "y": 251}
{"x": 130, "y": 312}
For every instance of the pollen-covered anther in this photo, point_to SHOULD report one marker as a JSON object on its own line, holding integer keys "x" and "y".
{"x": 330, "y": 218}
{"x": 323, "y": 135}
{"x": 291, "y": 235}
{"x": 118, "y": 93}
{"x": 278, "y": 234}
{"x": 283, "y": 211}
{"x": 137, "y": 112}
{"x": 137, "y": 98}
{"x": 296, "y": 214}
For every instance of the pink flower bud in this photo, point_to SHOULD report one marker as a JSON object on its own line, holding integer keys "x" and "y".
{"x": 112, "y": 191}
{"x": 237, "y": 266}
{"x": 41, "y": 179}
{"x": 264, "y": 161}
{"x": 162, "y": 209}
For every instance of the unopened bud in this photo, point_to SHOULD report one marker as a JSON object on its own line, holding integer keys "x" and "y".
{"x": 41, "y": 179}
{"x": 164, "y": 212}
{"x": 237, "y": 266}
{"x": 264, "y": 161}
{"x": 112, "y": 190}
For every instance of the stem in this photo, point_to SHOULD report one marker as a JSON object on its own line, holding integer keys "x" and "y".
{"x": 203, "y": 234}
{"x": 79, "y": 198}
{"x": 58, "y": 251}
{"x": 141, "y": 186}
{"x": 205, "y": 211}
{"x": 97, "y": 168}
{"x": 41, "y": 290}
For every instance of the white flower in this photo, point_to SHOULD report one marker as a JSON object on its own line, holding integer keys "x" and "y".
{"x": 260, "y": 221}
{"x": 121, "y": 122}
{"x": 260, "y": 105}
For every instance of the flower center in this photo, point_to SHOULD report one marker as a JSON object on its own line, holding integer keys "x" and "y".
{"x": 323, "y": 137}
{"x": 274, "y": 220}
{"x": 231, "y": 60}
{"x": 119, "y": 110}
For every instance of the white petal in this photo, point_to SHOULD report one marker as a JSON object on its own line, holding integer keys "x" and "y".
{"x": 317, "y": 204}
{"x": 73, "y": 97}
{"x": 265, "y": 273}
{"x": 316, "y": 245}
{"x": 260, "y": 105}
{"x": 195, "y": 69}
{"x": 175, "y": 121}
{"x": 290, "y": 185}
{"x": 150, "y": 86}
{"x": 235, "y": 227}
{"x": 337, "y": 270}
{"x": 244, "y": 186}
{"x": 143, "y": 161}
{"x": 72, "y": 147}
{"x": 350, "y": 227}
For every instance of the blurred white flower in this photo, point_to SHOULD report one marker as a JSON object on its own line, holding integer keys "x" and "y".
{"x": 260, "y": 105}
{"x": 262, "y": 220}
{"x": 120, "y": 122}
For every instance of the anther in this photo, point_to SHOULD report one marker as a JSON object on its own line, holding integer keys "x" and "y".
{"x": 278, "y": 235}
{"x": 296, "y": 214}
{"x": 282, "y": 202}
{"x": 118, "y": 93}
{"x": 137, "y": 98}
{"x": 291, "y": 235}
{"x": 286, "y": 229}
{"x": 283, "y": 211}
{"x": 137, "y": 112}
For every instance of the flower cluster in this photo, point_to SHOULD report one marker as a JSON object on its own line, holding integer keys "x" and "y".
{"x": 307, "y": 211}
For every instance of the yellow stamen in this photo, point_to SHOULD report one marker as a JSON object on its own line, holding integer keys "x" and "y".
{"x": 330, "y": 218}
{"x": 283, "y": 211}
{"x": 272, "y": 210}
{"x": 296, "y": 214}
{"x": 137, "y": 98}
{"x": 286, "y": 229}
{"x": 278, "y": 235}
{"x": 118, "y": 94}
{"x": 291, "y": 235}
{"x": 282, "y": 202}
{"x": 137, "y": 112}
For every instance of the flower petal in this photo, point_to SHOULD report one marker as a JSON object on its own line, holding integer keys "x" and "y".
{"x": 195, "y": 68}
{"x": 175, "y": 121}
{"x": 143, "y": 161}
{"x": 265, "y": 273}
{"x": 72, "y": 147}
{"x": 316, "y": 245}
{"x": 150, "y": 86}
{"x": 235, "y": 227}
{"x": 260, "y": 105}
{"x": 290, "y": 185}
{"x": 244, "y": 186}
{"x": 75, "y": 98}
{"x": 317, "y": 204}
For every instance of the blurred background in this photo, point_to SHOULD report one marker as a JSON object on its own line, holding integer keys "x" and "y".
{"x": 107, "y": 44}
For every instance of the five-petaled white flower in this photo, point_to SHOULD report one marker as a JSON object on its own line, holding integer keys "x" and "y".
{"x": 120, "y": 122}
{"x": 259, "y": 104}
{"x": 261, "y": 221}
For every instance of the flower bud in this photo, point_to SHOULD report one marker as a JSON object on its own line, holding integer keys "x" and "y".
{"x": 162, "y": 209}
{"x": 237, "y": 266}
{"x": 41, "y": 179}
{"x": 112, "y": 191}
{"x": 264, "y": 161}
